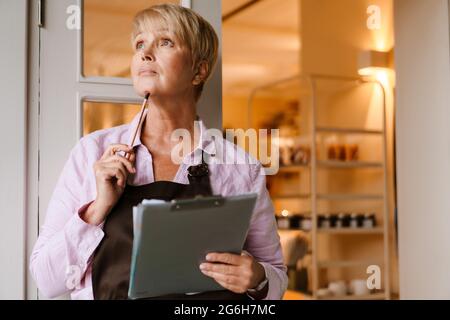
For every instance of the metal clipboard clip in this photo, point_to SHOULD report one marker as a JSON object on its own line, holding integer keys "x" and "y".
{"x": 199, "y": 202}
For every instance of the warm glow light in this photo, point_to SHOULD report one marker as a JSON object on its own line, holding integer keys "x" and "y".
{"x": 376, "y": 64}
{"x": 380, "y": 44}
{"x": 385, "y": 76}
{"x": 370, "y": 71}
{"x": 285, "y": 213}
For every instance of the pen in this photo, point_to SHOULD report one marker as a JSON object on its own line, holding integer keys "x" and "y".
{"x": 144, "y": 105}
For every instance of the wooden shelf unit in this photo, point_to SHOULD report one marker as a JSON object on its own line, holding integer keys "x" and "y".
{"x": 380, "y": 232}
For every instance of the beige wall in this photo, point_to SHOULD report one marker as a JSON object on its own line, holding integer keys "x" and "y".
{"x": 423, "y": 147}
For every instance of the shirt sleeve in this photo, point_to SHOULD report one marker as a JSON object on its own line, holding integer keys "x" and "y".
{"x": 66, "y": 243}
{"x": 263, "y": 241}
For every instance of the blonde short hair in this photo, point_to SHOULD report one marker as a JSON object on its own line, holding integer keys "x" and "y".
{"x": 189, "y": 27}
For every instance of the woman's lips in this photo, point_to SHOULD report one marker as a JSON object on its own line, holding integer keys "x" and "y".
{"x": 145, "y": 71}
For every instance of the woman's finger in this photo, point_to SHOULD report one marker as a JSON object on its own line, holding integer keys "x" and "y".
{"x": 226, "y": 281}
{"x": 119, "y": 159}
{"x": 231, "y": 280}
{"x": 228, "y": 258}
{"x": 121, "y": 178}
{"x": 117, "y": 166}
{"x": 131, "y": 156}
{"x": 107, "y": 173}
{"x": 221, "y": 268}
{"x": 115, "y": 171}
{"x": 114, "y": 148}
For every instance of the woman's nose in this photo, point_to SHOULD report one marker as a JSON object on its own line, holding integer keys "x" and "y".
{"x": 146, "y": 57}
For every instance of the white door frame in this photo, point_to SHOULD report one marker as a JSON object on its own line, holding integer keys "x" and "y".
{"x": 13, "y": 129}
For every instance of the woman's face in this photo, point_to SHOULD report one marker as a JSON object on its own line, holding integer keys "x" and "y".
{"x": 161, "y": 65}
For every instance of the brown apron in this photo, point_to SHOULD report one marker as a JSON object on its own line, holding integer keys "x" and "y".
{"x": 112, "y": 258}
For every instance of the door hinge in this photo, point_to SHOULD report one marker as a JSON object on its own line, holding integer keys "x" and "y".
{"x": 41, "y": 13}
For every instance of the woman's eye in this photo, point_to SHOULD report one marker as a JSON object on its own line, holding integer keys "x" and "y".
{"x": 140, "y": 45}
{"x": 166, "y": 42}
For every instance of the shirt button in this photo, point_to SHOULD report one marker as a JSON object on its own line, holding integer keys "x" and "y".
{"x": 97, "y": 233}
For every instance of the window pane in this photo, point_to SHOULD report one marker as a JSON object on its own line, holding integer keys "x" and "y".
{"x": 103, "y": 115}
{"x": 107, "y": 32}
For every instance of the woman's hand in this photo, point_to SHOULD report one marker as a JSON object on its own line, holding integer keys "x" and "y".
{"x": 237, "y": 273}
{"x": 111, "y": 173}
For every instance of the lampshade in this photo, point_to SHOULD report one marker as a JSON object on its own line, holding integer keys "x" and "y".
{"x": 369, "y": 61}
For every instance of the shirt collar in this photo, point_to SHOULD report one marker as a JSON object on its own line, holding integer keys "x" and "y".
{"x": 204, "y": 144}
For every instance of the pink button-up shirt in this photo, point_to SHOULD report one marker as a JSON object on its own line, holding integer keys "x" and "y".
{"x": 61, "y": 261}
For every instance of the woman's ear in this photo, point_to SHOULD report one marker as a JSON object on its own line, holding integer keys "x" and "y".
{"x": 201, "y": 73}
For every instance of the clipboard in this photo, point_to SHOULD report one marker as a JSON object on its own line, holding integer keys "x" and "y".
{"x": 171, "y": 239}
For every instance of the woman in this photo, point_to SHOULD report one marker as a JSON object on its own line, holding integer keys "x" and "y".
{"x": 85, "y": 244}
